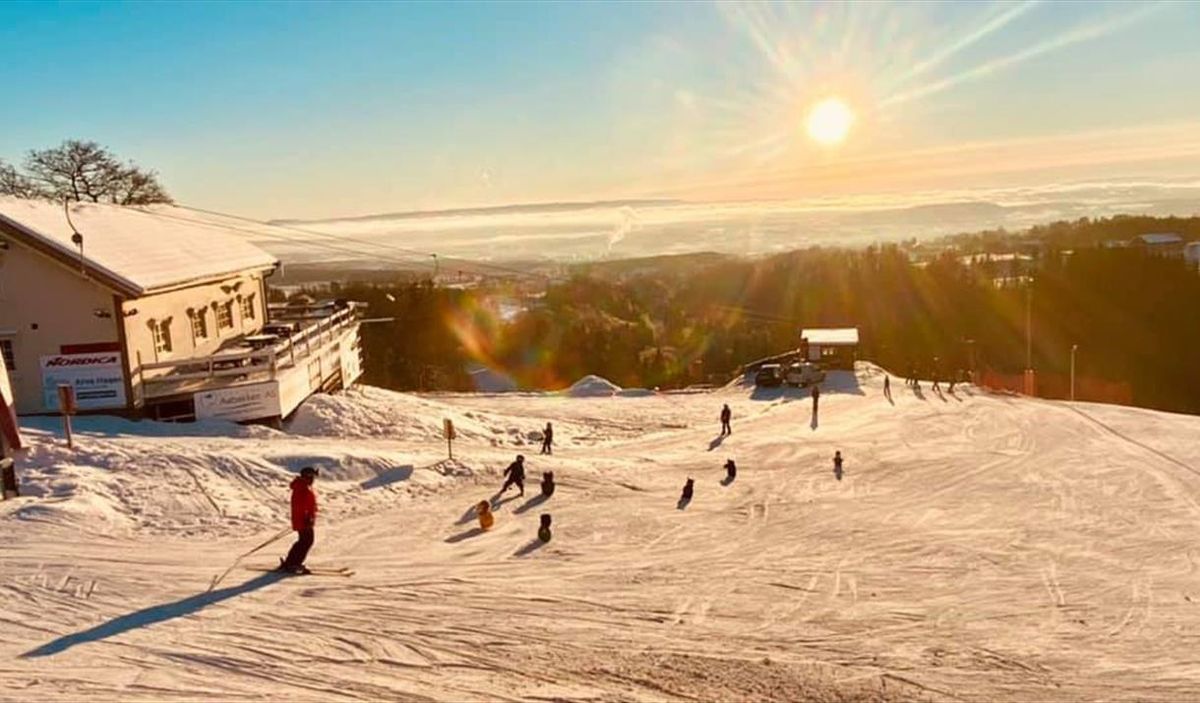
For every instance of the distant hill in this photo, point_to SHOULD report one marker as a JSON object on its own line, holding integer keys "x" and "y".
{"x": 521, "y": 208}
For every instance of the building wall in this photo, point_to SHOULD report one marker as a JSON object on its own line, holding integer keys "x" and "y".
{"x": 43, "y": 306}
{"x": 177, "y": 307}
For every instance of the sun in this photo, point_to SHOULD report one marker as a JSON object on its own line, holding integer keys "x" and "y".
{"x": 829, "y": 121}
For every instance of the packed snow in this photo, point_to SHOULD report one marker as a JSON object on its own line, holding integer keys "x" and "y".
{"x": 979, "y": 547}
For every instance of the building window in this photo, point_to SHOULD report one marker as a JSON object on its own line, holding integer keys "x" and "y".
{"x": 225, "y": 314}
{"x": 247, "y": 305}
{"x": 6, "y": 350}
{"x": 199, "y": 323}
{"x": 162, "y": 336}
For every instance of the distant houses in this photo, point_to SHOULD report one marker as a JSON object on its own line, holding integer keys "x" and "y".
{"x": 1160, "y": 244}
{"x": 156, "y": 312}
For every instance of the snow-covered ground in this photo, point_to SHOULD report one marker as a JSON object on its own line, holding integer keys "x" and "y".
{"x": 978, "y": 547}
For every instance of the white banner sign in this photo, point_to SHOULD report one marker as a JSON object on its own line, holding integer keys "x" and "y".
{"x": 251, "y": 402}
{"x": 98, "y": 379}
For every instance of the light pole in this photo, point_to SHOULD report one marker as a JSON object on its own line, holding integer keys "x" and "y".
{"x": 1029, "y": 328}
{"x": 1074, "y": 347}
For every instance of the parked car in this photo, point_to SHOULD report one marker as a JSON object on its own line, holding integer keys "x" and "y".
{"x": 804, "y": 374}
{"x": 769, "y": 375}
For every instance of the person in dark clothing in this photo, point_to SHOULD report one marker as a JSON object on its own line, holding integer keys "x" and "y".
{"x": 687, "y": 490}
{"x": 304, "y": 519}
{"x": 547, "y": 484}
{"x": 730, "y": 471}
{"x": 515, "y": 475}
{"x": 548, "y": 439}
{"x": 726, "y": 416}
{"x": 544, "y": 529}
{"x": 816, "y": 396}
{"x": 837, "y": 465}
{"x": 887, "y": 387}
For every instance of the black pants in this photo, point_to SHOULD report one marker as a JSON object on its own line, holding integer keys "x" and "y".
{"x": 518, "y": 482}
{"x": 725, "y": 428}
{"x": 299, "y": 550}
{"x": 546, "y": 448}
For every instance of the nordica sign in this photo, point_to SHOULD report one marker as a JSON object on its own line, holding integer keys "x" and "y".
{"x": 98, "y": 379}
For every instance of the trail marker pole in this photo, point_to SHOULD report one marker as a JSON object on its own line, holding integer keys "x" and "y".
{"x": 66, "y": 407}
{"x": 1074, "y": 347}
{"x": 448, "y": 430}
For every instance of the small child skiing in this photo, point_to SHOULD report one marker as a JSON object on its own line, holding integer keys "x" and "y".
{"x": 304, "y": 519}
{"x": 548, "y": 485}
{"x": 837, "y": 465}
{"x": 544, "y": 530}
{"x": 730, "y": 471}
{"x": 688, "y": 488}
{"x": 515, "y": 475}
{"x": 483, "y": 510}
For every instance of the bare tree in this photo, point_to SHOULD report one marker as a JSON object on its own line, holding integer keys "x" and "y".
{"x": 13, "y": 182}
{"x": 87, "y": 172}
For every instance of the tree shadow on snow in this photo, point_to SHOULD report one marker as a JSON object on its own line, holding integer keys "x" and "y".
{"x": 530, "y": 504}
{"x": 529, "y": 548}
{"x": 392, "y": 475}
{"x": 153, "y": 615}
{"x": 716, "y": 442}
{"x": 473, "y": 532}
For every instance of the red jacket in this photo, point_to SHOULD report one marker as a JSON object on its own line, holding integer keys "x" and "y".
{"x": 304, "y": 504}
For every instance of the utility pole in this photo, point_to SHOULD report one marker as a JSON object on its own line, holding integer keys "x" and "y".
{"x": 1030, "y": 388}
{"x": 1074, "y": 347}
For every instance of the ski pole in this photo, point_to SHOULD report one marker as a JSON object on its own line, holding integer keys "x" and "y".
{"x": 237, "y": 561}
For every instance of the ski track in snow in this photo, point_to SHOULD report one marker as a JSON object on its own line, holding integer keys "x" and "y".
{"x": 978, "y": 547}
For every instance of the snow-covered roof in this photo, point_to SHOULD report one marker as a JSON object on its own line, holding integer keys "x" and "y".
{"x": 1160, "y": 238}
{"x": 831, "y": 336}
{"x": 137, "y": 250}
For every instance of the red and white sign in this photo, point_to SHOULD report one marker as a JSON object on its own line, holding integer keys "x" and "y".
{"x": 98, "y": 379}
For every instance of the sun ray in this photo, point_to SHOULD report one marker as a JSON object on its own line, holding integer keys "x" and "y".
{"x": 1077, "y": 35}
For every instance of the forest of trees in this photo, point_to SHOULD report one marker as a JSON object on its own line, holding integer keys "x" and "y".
{"x": 1132, "y": 314}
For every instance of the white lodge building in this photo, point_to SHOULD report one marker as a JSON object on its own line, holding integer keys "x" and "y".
{"x": 159, "y": 312}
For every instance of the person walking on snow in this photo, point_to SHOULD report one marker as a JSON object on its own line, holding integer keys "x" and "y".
{"x": 837, "y": 465}
{"x": 304, "y": 518}
{"x": 726, "y": 416}
{"x": 515, "y": 474}
{"x": 548, "y": 439}
{"x": 816, "y": 396}
{"x": 887, "y": 386}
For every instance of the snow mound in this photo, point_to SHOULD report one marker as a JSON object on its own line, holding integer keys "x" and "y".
{"x": 592, "y": 386}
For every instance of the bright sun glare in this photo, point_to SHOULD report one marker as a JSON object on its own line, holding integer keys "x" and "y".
{"x": 829, "y": 121}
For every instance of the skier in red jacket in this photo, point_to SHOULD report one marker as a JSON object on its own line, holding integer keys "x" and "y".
{"x": 304, "y": 517}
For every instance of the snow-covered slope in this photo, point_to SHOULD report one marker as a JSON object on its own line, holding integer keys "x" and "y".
{"x": 978, "y": 547}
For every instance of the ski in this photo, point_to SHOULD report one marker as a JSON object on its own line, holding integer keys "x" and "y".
{"x": 317, "y": 571}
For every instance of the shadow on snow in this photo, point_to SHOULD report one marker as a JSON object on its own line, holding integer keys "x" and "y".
{"x": 152, "y": 616}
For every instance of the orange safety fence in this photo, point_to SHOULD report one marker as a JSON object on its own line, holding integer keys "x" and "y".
{"x": 1058, "y": 386}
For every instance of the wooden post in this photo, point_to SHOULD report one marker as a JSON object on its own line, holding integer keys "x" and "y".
{"x": 448, "y": 430}
{"x": 66, "y": 407}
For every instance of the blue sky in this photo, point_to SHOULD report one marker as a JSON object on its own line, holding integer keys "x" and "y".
{"x": 321, "y": 109}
